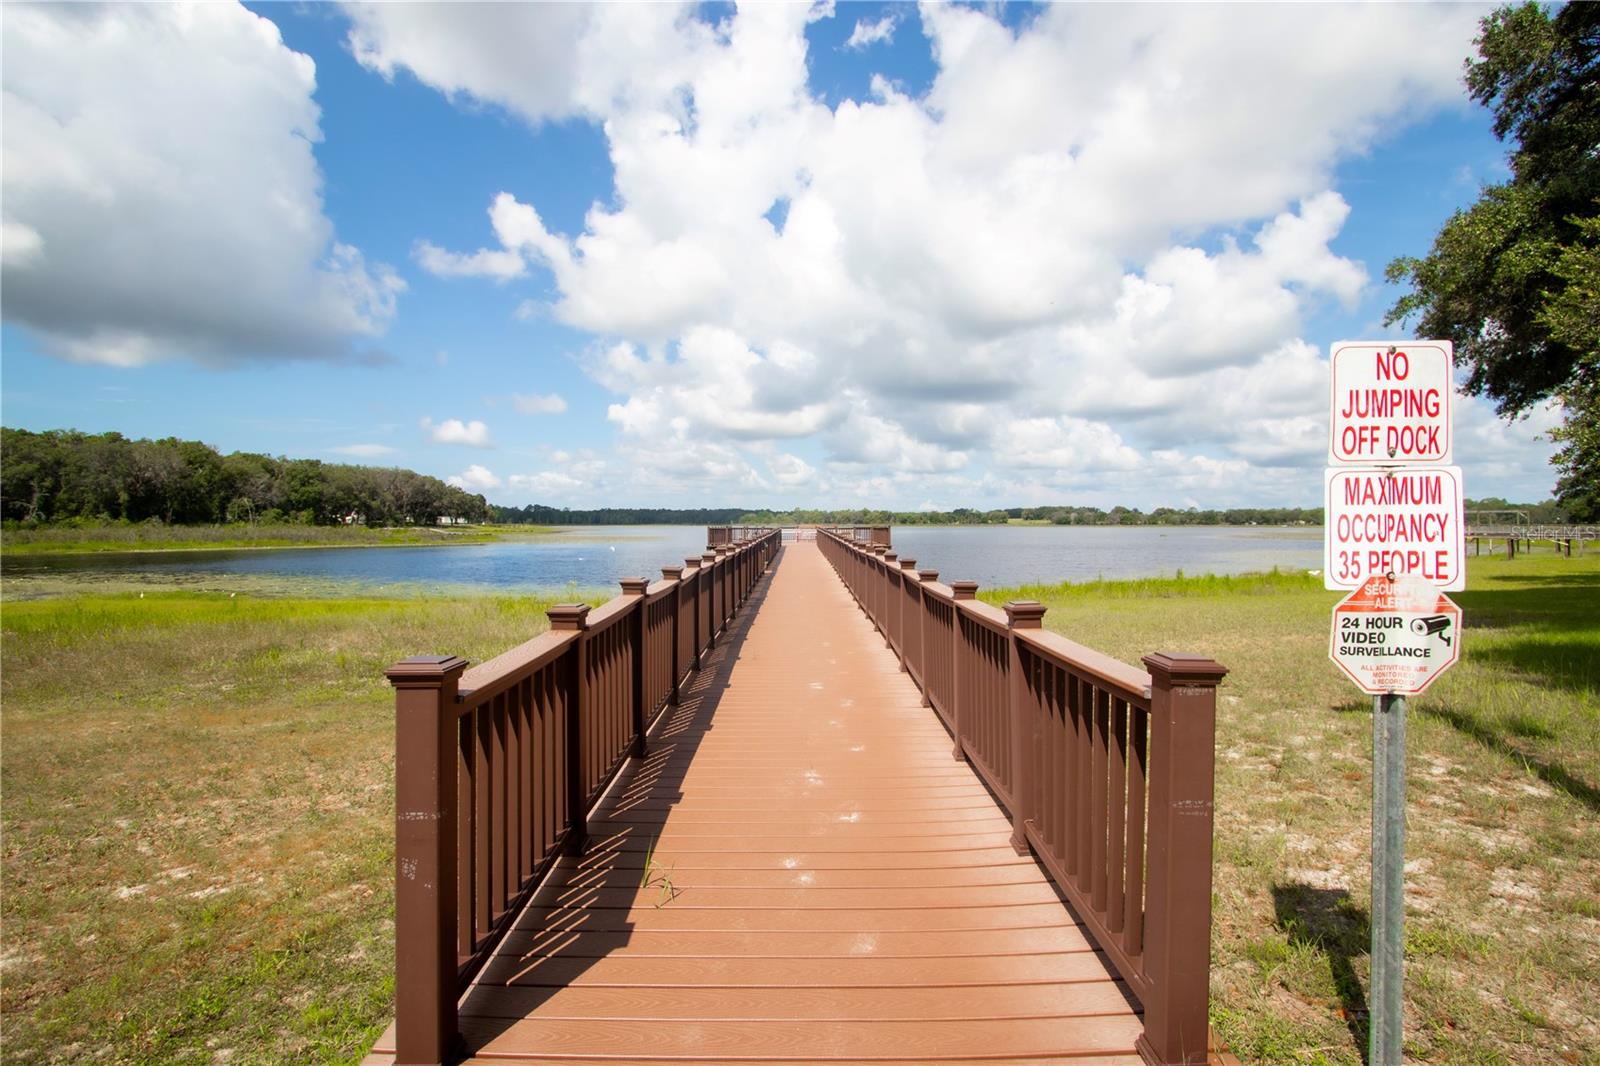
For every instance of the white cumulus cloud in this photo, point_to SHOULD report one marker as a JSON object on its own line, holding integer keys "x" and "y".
{"x": 1083, "y": 260}
{"x": 867, "y": 33}
{"x": 534, "y": 403}
{"x": 475, "y": 478}
{"x": 161, "y": 194}
{"x": 455, "y": 431}
{"x": 363, "y": 451}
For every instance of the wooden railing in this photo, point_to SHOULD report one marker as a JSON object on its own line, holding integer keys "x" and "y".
{"x": 497, "y": 767}
{"x": 1106, "y": 771}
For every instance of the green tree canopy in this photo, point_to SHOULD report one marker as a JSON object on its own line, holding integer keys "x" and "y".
{"x": 1512, "y": 280}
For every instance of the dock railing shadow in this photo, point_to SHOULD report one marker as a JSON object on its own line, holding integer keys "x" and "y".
{"x": 500, "y": 770}
{"x": 579, "y": 916}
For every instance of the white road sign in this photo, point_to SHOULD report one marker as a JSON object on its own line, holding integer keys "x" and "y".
{"x": 1391, "y": 403}
{"x": 1405, "y": 520}
{"x": 1395, "y": 636}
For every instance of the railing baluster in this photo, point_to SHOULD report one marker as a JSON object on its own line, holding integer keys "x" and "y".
{"x": 1116, "y": 869}
{"x": 1056, "y": 745}
{"x": 483, "y": 823}
{"x": 1097, "y": 799}
{"x": 1138, "y": 732}
{"x": 1074, "y": 814}
{"x": 466, "y": 823}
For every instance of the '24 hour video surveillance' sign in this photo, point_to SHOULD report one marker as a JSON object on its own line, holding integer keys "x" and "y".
{"x": 1395, "y": 636}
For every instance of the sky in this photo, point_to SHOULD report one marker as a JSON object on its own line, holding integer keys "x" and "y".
{"x": 852, "y": 255}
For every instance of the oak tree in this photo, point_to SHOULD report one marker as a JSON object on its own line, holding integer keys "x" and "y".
{"x": 1514, "y": 280}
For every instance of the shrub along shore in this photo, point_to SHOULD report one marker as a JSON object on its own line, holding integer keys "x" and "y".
{"x": 82, "y": 538}
{"x": 198, "y": 816}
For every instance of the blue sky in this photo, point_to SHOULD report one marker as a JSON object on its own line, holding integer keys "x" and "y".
{"x": 852, "y": 255}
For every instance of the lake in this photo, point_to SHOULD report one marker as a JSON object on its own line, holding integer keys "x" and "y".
{"x": 597, "y": 557}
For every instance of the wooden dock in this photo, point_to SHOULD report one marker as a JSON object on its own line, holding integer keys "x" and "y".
{"x": 798, "y": 870}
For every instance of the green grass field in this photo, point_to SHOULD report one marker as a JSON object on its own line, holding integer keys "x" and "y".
{"x": 1503, "y": 877}
{"x": 198, "y": 815}
{"x": 198, "y": 819}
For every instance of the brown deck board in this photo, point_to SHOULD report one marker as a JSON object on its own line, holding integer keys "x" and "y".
{"x": 799, "y": 871}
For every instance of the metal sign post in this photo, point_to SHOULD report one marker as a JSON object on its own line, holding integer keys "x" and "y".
{"x": 1393, "y": 533}
{"x": 1388, "y": 878}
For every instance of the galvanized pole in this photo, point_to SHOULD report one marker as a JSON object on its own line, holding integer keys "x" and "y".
{"x": 1388, "y": 878}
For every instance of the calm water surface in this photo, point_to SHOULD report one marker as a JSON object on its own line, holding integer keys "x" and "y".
{"x": 597, "y": 557}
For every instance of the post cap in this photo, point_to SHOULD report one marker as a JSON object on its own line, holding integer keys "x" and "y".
{"x": 690, "y": 562}
{"x": 569, "y": 616}
{"x": 964, "y": 590}
{"x": 1184, "y": 668}
{"x": 1024, "y": 614}
{"x": 908, "y": 564}
{"x": 928, "y": 575}
{"x": 889, "y": 556}
{"x": 709, "y": 557}
{"x": 425, "y": 670}
{"x": 671, "y": 573}
{"x": 634, "y": 586}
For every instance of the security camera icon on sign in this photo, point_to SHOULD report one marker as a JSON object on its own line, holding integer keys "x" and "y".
{"x": 1438, "y": 623}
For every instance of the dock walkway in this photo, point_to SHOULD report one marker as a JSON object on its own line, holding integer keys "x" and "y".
{"x": 798, "y": 871}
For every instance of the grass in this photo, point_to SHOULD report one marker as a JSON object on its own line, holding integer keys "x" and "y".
{"x": 198, "y": 819}
{"x": 154, "y": 536}
{"x": 198, "y": 814}
{"x": 1503, "y": 829}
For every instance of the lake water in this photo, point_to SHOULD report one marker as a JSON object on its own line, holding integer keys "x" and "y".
{"x": 597, "y": 557}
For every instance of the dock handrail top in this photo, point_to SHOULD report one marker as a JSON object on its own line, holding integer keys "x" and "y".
{"x": 493, "y": 676}
{"x": 1132, "y": 681}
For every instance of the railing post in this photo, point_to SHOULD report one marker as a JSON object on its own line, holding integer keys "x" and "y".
{"x": 959, "y": 591}
{"x": 425, "y": 858}
{"x": 575, "y": 617}
{"x": 674, "y": 574}
{"x": 639, "y": 636}
{"x": 1177, "y": 959}
{"x": 1020, "y": 614}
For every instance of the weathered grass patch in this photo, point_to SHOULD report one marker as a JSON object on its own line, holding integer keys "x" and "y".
{"x": 1503, "y": 936}
{"x": 198, "y": 819}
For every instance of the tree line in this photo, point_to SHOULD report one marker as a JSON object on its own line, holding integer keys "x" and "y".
{"x": 1062, "y": 515}
{"x": 541, "y": 515}
{"x": 64, "y": 475}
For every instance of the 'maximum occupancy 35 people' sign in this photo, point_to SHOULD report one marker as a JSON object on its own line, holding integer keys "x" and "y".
{"x": 1405, "y": 520}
